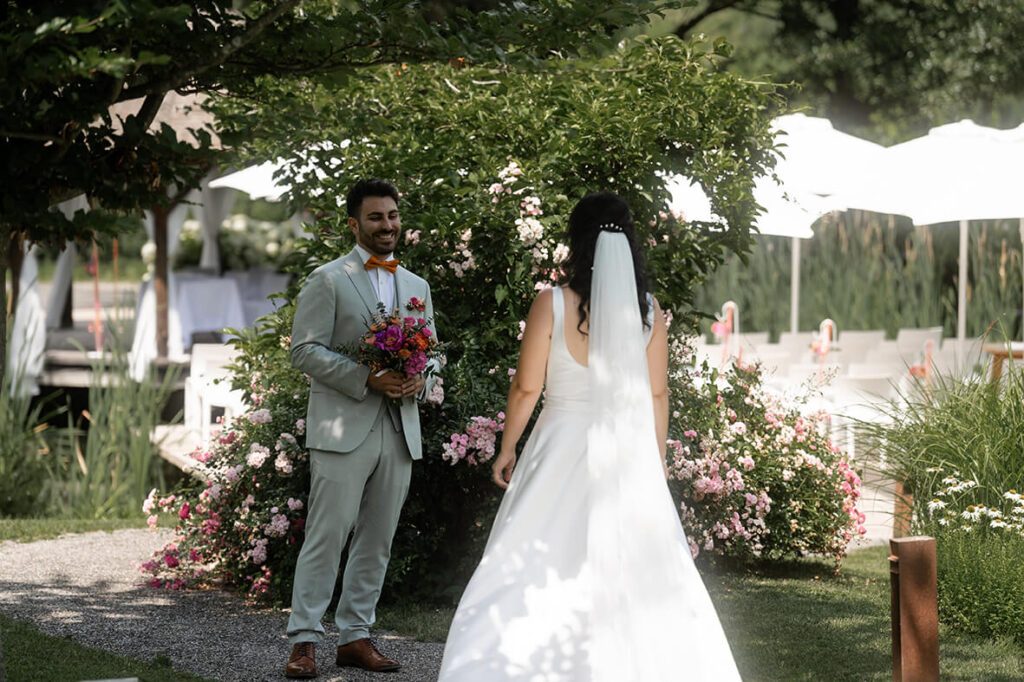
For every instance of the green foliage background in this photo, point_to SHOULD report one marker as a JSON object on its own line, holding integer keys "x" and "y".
{"x": 444, "y": 134}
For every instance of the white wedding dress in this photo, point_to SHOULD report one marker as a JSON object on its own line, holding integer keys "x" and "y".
{"x": 587, "y": 574}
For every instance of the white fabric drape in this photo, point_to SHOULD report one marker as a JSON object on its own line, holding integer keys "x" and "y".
{"x": 217, "y": 203}
{"x": 65, "y": 265}
{"x": 25, "y": 353}
{"x": 143, "y": 350}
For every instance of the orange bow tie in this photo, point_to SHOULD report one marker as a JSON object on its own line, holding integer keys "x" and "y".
{"x": 389, "y": 265}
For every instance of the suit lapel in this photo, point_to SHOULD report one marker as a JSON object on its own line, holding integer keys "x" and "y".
{"x": 356, "y": 271}
{"x": 401, "y": 289}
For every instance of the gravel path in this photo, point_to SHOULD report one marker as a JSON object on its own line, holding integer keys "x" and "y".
{"x": 85, "y": 586}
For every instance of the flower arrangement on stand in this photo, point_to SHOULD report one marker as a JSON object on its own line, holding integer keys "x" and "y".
{"x": 754, "y": 477}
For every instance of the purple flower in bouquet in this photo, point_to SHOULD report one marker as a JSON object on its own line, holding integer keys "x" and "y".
{"x": 390, "y": 339}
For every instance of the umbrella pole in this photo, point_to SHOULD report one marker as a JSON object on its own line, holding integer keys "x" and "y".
{"x": 961, "y": 304}
{"x": 794, "y": 286}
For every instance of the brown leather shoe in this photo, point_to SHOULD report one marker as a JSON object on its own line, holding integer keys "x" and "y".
{"x": 302, "y": 662}
{"x": 363, "y": 654}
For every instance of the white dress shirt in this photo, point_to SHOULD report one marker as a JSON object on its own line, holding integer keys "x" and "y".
{"x": 383, "y": 281}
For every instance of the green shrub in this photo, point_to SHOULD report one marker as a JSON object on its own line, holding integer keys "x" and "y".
{"x": 755, "y": 478}
{"x": 904, "y": 276}
{"x": 967, "y": 427}
{"x": 959, "y": 446}
{"x": 980, "y": 577}
{"x": 489, "y": 163}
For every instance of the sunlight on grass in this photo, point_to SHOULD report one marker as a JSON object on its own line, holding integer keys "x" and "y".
{"x": 29, "y": 530}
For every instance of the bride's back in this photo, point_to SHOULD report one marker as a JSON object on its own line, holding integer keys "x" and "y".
{"x": 575, "y": 339}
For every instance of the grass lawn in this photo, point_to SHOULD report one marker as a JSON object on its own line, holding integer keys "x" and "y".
{"x": 29, "y": 530}
{"x": 800, "y": 622}
{"x": 30, "y": 655}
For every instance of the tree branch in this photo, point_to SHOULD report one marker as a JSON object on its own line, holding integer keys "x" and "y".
{"x": 250, "y": 33}
{"x": 37, "y": 137}
{"x": 151, "y": 105}
{"x": 713, "y": 8}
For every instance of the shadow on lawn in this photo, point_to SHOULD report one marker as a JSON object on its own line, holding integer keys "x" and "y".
{"x": 809, "y": 623}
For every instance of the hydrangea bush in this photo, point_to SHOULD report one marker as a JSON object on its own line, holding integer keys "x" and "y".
{"x": 755, "y": 478}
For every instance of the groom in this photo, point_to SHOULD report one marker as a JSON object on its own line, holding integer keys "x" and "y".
{"x": 361, "y": 442}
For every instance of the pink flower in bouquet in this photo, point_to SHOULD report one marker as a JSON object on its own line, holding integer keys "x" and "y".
{"x": 390, "y": 339}
{"x": 719, "y": 328}
{"x": 416, "y": 363}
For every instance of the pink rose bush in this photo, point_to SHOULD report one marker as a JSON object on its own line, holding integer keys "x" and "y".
{"x": 243, "y": 525}
{"x": 755, "y": 478}
{"x": 477, "y": 444}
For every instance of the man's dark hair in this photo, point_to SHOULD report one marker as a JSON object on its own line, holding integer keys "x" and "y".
{"x": 368, "y": 187}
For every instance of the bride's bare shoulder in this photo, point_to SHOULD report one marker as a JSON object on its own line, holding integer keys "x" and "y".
{"x": 542, "y": 305}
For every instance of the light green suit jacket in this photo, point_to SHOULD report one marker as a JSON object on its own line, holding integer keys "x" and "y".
{"x": 334, "y": 309}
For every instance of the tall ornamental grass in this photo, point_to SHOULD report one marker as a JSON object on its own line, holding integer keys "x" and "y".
{"x": 105, "y": 463}
{"x": 23, "y": 448}
{"x": 959, "y": 447}
{"x": 904, "y": 276}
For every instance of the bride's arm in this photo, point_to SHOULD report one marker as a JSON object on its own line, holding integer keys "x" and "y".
{"x": 657, "y": 365}
{"x": 527, "y": 384}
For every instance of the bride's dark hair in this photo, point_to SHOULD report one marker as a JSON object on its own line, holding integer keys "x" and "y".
{"x": 596, "y": 212}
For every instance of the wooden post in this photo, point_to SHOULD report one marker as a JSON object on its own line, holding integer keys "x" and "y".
{"x": 160, "y": 279}
{"x": 903, "y": 510}
{"x": 915, "y": 611}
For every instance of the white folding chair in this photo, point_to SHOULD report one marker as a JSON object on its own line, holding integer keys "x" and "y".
{"x": 910, "y": 342}
{"x": 203, "y": 391}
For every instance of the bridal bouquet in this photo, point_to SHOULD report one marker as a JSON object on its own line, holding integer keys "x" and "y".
{"x": 404, "y": 344}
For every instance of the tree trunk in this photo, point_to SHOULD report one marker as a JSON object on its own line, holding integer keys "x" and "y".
{"x": 160, "y": 279}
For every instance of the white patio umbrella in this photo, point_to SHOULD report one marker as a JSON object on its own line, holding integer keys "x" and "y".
{"x": 259, "y": 182}
{"x": 256, "y": 181}
{"x": 816, "y": 161}
{"x": 956, "y": 173}
{"x": 783, "y": 215}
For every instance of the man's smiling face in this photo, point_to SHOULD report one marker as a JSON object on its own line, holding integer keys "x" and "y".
{"x": 378, "y": 225}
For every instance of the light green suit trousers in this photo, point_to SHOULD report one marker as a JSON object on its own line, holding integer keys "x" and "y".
{"x": 361, "y": 450}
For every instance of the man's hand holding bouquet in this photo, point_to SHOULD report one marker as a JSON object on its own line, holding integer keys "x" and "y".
{"x": 398, "y": 349}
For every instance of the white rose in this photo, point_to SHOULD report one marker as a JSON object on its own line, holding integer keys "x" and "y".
{"x": 148, "y": 253}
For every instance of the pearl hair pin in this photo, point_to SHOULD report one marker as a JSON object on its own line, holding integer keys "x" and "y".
{"x": 610, "y": 227}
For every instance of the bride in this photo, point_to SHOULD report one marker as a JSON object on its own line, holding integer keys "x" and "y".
{"x": 587, "y": 575}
